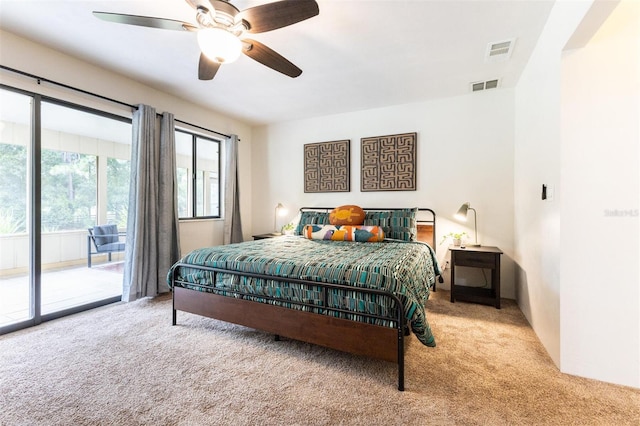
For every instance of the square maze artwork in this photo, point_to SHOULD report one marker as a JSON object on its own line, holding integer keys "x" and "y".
{"x": 388, "y": 163}
{"x": 326, "y": 166}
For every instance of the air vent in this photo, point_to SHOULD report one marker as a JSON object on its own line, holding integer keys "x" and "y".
{"x": 491, "y": 84}
{"x": 484, "y": 85}
{"x": 499, "y": 51}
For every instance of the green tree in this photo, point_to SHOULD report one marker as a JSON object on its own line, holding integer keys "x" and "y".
{"x": 118, "y": 172}
{"x": 69, "y": 190}
{"x": 13, "y": 188}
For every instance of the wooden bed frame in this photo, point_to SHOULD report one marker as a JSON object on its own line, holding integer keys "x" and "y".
{"x": 384, "y": 343}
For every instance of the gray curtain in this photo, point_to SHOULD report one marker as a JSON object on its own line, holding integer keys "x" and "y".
{"x": 152, "y": 225}
{"x": 232, "y": 223}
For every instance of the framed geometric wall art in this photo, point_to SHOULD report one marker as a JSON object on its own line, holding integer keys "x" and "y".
{"x": 326, "y": 166}
{"x": 388, "y": 163}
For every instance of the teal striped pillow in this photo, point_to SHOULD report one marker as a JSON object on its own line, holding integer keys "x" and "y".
{"x": 396, "y": 224}
{"x": 311, "y": 218}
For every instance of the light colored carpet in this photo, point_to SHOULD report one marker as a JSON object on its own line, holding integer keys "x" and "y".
{"x": 125, "y": 364}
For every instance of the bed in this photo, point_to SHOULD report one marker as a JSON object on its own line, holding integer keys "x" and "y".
{"x": 363, "y": 298}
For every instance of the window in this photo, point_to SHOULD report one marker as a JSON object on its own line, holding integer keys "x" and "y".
{"x": 60, "y": 174}
{"x": 85, "y": 167}
{"x": 13, "y": 191}
{"x": 118, "y": 172}
{"x": 69, "y": 190}
{"x": 198, "y": 174}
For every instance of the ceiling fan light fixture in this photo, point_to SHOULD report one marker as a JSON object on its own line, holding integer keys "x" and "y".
{"x": 219, "y": 45}
{"x": 221, "y": 27}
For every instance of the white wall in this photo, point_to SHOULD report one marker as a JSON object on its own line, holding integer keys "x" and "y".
{"x": 537, "y": 162}
{"x": 576, "y": 128}
{"x": 600, "y": 291}
{"x": 465, "y": 153}
{"x": 23, "y": 55}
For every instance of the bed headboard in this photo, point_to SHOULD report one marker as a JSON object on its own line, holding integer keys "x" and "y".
{"x": 426, "y": 221}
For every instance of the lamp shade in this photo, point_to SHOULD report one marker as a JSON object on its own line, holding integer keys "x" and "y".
{"x": 461, "y": 215}
{"x": 462, "y": 212}
{"x": 279, "y": 211}
{"x": 219, "y": 45}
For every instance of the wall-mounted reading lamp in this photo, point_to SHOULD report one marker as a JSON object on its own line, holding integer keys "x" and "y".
{"x": 462, "y": 215}
{"x": 280, "y": 211}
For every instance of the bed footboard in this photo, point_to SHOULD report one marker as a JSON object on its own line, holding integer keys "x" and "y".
{"x": 359, "y": 338}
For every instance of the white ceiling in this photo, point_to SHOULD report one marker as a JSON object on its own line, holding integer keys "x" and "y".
{"x": 355, "y": 55}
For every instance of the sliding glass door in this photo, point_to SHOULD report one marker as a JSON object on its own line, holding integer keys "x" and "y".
{"x": 76, "y": 148}
{"x": 64, "y": 169}
{"x": 15, "y": 264}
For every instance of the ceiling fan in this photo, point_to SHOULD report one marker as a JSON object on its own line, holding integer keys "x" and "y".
{"x": 221, "y": 28}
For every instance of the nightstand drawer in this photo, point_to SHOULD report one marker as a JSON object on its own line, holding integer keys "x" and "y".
{"x": 475, "y": 259}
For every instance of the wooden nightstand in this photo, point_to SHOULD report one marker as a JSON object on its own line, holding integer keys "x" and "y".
{"x": 263, "y": 236}
{"x": 483, "y": 257}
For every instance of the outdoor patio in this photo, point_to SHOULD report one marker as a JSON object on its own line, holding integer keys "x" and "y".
{"x": 61, "y": 289}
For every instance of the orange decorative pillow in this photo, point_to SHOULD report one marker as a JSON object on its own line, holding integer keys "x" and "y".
{"x": 347, "y": 215}
{"x": 359, "y": 233}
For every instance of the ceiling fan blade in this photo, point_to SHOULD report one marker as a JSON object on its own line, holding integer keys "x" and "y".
{"x": 207, "y": 68}
{"x": 145, "y": 21}
{"x": 279, "y": 14}
{"x": 270, "y": 58}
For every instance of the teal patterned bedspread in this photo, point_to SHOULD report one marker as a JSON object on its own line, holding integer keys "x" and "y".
{"x": 406, "y": 269}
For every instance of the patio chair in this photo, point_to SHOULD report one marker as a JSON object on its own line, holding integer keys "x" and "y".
{"x": 105, "y": 239}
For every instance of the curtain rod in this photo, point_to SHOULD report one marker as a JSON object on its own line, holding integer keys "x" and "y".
{"x": 202, "y": 128}
{"x": 95, "y": 95}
